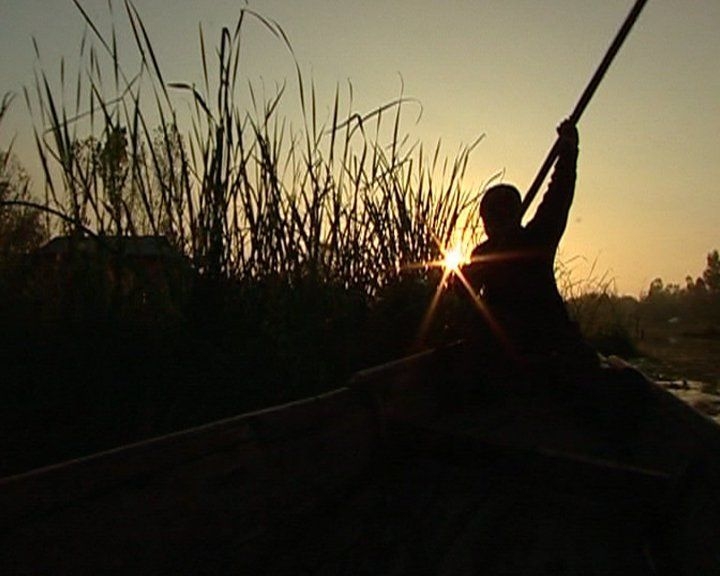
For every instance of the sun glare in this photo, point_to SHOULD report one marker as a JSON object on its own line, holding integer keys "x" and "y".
{"x": 454, "y": 258}
{"x": 452, "y": 263}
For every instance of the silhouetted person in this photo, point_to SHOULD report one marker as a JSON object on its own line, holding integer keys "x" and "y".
{"x": 513, "y": 270}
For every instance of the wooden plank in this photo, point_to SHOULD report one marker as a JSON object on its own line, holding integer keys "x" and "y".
{"x": 603, "y": 482}
{"x": 256, "y": 446}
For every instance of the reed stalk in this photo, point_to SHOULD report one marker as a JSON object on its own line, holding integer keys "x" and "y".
{"x": 245, "y": 194}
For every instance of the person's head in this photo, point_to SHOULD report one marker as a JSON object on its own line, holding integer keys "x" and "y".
{"x": 500, "y": 209}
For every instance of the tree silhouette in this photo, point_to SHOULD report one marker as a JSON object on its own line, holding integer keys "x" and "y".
{"x": 20, "y": 229}
{"x": 711, "y": 275}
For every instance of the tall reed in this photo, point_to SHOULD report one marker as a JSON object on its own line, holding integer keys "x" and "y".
{"x": 245, "y": 194}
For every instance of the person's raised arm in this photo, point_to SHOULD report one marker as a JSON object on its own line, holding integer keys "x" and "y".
{"x": 551, "y": 216}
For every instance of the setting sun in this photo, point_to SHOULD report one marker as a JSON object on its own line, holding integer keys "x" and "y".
{"x": 454, "y": 258}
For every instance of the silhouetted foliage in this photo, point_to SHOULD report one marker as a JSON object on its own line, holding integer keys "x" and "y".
{"x": 710, "y": 280}
{"x": 611, "y": 323}
{"x": 697, "y": 302}
{"x": 21, "y": 228}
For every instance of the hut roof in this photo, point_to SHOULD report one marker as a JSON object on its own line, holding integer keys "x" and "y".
{"x": 148, "y": 246}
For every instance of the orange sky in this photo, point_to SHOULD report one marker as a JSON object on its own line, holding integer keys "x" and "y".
{"x": 648, "y": 192}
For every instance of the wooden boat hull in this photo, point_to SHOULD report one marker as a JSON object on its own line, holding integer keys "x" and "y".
{"x": 418, "y": 466}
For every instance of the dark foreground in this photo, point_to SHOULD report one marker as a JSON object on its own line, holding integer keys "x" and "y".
{"x": 426, "y": 466}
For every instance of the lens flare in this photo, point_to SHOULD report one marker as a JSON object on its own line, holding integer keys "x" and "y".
{"x": 453, "y": 259}
{"x": 453, "y": 262}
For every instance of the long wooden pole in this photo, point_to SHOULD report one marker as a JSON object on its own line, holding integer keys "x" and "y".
{"x": 584, "y": 100}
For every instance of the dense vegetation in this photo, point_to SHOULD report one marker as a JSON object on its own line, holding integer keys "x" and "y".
{"x": 293, "y": 252}
{"x": 609, "y": 319}
{"x": 671, "y": 331}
